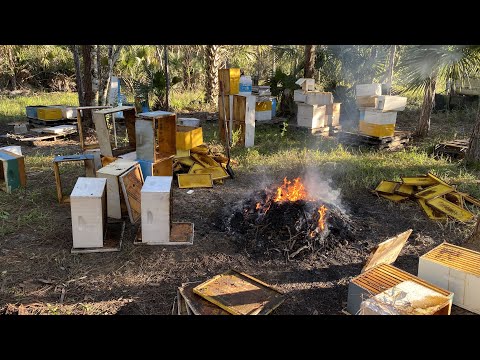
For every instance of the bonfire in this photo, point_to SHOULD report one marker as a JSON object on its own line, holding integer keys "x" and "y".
{"x": 286, "y": 219}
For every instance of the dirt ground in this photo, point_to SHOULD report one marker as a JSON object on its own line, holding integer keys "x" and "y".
{"x": 40, "y": 276}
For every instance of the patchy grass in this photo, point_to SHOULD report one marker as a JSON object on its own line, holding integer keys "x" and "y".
{"x": 13, "y": 107}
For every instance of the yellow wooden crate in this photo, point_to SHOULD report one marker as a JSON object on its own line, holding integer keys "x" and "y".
{"x": 188, "y": 137}
{"x": 263, "y": 106}
{"x": 187, "y": 181}
{"x": 49, "y": 113}
{"x": 230, "y": 78}
{"x": 376, "y": 129}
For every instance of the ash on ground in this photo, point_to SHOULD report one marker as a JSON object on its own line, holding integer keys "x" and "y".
{"x": 290, "y": 229}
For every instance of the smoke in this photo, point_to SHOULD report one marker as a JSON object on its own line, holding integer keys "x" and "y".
{"x": 319, "y": 186}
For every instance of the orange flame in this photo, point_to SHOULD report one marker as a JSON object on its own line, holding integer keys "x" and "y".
{"x": 321, "y": 220}
{"x": 291, "y": 192}
{"x": 258, "y": 206}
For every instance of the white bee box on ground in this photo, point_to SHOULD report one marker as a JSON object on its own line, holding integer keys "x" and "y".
{"x": 368, "y": 90}
{"x": 311, "y": 116}
{"x": 155, "y": 212}
{"x": 454, "y": 268}
{"x": 391, "y": 103}
{"x": 88, "y": 207}
{"x": 112, "y": 173}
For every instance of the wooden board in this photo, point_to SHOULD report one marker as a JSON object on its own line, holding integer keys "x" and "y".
{"x": 240, "y": 294}
{"x": 181, "y": 233}
{"x": 387, "y": 187}
{"x": 112, "y": 241}
{"x": 103, "y": 134}
{"x": 188, "y": 181}
{"x": 450, "y": 209}
{"x": 182, "y": 308}
{"x": 205, "y": 160}
{"x": 132, "y": 182}
{"x": 218, "y": 172}
{"x": 405, "y": 190}
{"x": 387, "y": 251}
{"x": 434, "y": 191}
{"x": 167, "y": 135}
{"x": 431, "y": 212}
{"x": 418, "y": 181}
{"x": 197, "y": 304}
{"x": 163, "y": 167}
{"x": 196, "y": 166}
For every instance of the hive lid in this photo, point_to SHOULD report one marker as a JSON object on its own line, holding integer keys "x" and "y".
{"x": 161, "y": 184}
{"x": 89, "y": 187}
{"x": 387, "y": 251}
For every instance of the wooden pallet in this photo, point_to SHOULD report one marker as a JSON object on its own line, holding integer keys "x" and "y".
{"x": 323, "y": 131}
{"x": 454, "y": 149}
{"x": 397, "y": 141}
{"x": 29, "y": 138}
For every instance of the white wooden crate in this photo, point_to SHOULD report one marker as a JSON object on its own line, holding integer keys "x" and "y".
{"x": 155, "y": 213}
{"x": 311, "y": 116}
{"x": 88, "y": 207}
{"x": 313, "y": 97}
{"x": 456, "y": 269}
{"x": 391, "y": 103}
{"x": 144, "y": 136}
{"x": 368, "y": 90}
{"x": 112, "y": 173}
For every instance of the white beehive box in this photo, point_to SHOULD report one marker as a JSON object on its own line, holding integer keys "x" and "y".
{"x": 456, "y": 269}
{"x": 311, "y": 116}
{"x": 407, "y": 298}
{"x": 112, "y": 172}
{"x": 368, "y": 90}
{"x": 378, "y": 117}
{"x": 263, "y": 115}
{"x": 88, "y": 206}
{"x": 391, "y": 103}
{"x": 155, "y": 213}
{"x": 313, "y": 97}
{"x": 307, "y": 84}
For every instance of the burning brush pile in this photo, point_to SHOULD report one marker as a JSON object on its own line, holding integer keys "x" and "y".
{"x": 290, "y": 221}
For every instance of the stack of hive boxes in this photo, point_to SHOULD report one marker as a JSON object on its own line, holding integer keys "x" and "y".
{"x": 239, "y": 109}
{"x": 316, "y": 109}
{"x": 378, "y": 113}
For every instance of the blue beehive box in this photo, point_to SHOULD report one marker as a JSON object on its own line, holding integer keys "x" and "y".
{"x": 32, "y": 111}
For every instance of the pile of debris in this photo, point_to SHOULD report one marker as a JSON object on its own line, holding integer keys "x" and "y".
{"x": 438, "y": 199}
{"x": 287, "y": 220}
{"x": 200, "y": 166}
{"x": 230, "y": 293}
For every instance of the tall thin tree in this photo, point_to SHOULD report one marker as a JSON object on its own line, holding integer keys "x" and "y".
{"x": 309, "y": 69}
{"x": 211, "y": 69}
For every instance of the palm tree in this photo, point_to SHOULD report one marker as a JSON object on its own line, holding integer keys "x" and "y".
{"x": 425, "y": 65}
{"x": 211, "y": 70}
{"x": 309, "y": 68}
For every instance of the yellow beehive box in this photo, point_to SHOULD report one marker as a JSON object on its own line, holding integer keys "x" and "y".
{"x": 263, "y": 106}
{"x": 376, "y": 129}
{"x": 188, "y": 137}
{"x": 230, "y": 78}
{"x": 49, "y": 113}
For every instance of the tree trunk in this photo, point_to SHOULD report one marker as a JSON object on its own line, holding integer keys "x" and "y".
{"x": 167, "y": 79}
{"x": 113, "y": 55}
{"x": 309, "y": 68}
{"x": 94, "y": 71}
{"x": 423, "y": 125}
{"x": 101, "y": 77}
{"x": 391, "y": 64}
{"x": 78, "y": 75}
{"x": 87, "y": 81}
{"x": 11, "y": 62}
{"x": 211, "y": 70}
{"x": 473, "y": 152}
